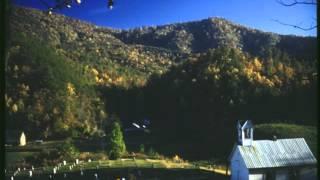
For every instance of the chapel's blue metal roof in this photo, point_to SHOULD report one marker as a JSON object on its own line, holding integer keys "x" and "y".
{"x": 277, "y": 153}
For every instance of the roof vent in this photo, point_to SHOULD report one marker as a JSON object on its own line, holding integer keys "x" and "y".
{"x": 274, "y": 138}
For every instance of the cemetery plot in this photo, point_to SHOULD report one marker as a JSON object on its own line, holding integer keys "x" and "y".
{"x": 117, "y": 169}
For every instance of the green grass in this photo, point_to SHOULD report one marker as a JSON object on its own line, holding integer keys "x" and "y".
{"x": 134, "y": 173}
{"x": 129, "y": 168}
{"x": 125, "y": 163}
{"x": 14, "y": 157}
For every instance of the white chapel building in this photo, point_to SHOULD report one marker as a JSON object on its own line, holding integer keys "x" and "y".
{"x": 278, "y": 159}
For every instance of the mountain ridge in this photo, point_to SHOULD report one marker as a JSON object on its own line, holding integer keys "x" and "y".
{"x": 193, "y": 36}
{"x": 210, "y": 72}
{"x": 199, "y": 36}
{"x": 166, "y": 24}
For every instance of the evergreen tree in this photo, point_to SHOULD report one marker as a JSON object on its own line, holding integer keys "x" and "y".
{"x": 117, "y": 144}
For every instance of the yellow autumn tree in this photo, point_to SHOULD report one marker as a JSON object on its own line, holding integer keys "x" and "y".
{"x": 14, "y": 108}
{"x": 94, "y": 71}
{"x": 280, "y": 67}
{"x": 289, "y": 72}
{"x": 257, "y": 64}
{"x": 70, "y": 89}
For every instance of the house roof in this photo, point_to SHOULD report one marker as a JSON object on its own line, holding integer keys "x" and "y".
{"x": 279, "y": 153}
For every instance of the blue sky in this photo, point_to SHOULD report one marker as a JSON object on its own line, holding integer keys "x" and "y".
{"x": 126, "y": 14}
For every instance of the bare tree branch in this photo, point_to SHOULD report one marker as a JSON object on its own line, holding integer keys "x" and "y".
{"x": 296, "y": 2}
{"x": 296, "y": 26}
{"x": 289, "y": 3}
{"x": 60, "y": 4}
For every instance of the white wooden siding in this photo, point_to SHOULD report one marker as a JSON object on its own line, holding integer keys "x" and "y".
{"x": 257, "y": 177}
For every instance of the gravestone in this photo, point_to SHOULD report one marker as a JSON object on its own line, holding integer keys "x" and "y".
{"x": 22, "y": 140}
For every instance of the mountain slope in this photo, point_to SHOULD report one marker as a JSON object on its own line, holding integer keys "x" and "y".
{"x": 76, "y": 39}
{"x": 199, "y": 36}
{"x": 168, "y": 74}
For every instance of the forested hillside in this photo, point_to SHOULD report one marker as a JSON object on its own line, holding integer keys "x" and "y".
{"x": 199, "y": 36}
{"x": 191, "y": 80}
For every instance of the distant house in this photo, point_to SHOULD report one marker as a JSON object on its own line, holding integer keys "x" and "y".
{"x": 16, "y": 138}
{"x": 278, "y": 159}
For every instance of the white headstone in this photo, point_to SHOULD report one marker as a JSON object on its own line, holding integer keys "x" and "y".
{"x": 22, "y": 140}
{"x": 30, "y": 173}
{"x": 11, "y": 178}
{"x": 89, "y": 160}
{"x": 64, "y": 163}
{"x": 77, "y": 161}
{"x": 54, "y": 170}
{"x": 96, "y": 175}
{"x": 32, "y": 168}
{"x": 18, "y": 169}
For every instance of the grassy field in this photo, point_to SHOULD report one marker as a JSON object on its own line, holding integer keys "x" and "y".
{"x": 128, "y": 168}
{"x": 132, "y": 174}
{"x": 14, "y": 157}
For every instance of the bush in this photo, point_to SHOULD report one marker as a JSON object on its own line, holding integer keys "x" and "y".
{"x": 68, "y": 150}
{"x": 151, "y": 152}
{"x": 45, "y": 158}
{"x": 141, "y": 148}
{"x": 177, "y": 159}
{"x": 93, "y": 156}
{"x": 141, "y": 156}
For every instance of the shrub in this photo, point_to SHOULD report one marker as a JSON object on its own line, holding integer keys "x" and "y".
{"x": 68, "y": 150}
{"x": 151, "y": 152}
{"x": 141, "y": 148}
{"x": 93, "y": 156}
{"x": 46, "y": 157}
